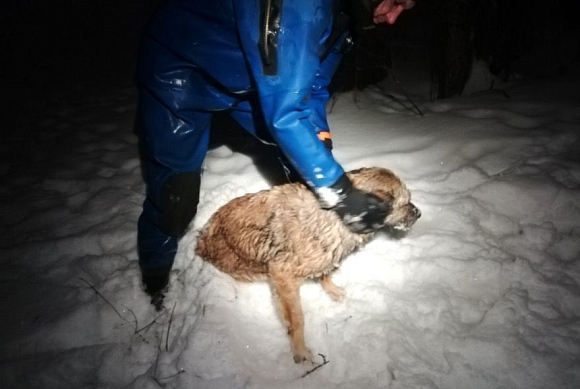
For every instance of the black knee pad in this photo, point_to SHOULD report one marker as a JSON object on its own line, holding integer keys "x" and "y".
{"x": 178, "y": 201}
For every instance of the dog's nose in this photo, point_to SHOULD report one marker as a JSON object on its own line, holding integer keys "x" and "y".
{"x": 415, "y": 210}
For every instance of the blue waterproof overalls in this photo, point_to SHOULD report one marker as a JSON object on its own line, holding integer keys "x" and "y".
{"x": 267, "y": 61}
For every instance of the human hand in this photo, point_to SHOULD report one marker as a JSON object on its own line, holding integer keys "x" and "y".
{"x": 361, "y": 212}
{"x": 389, "y": 10}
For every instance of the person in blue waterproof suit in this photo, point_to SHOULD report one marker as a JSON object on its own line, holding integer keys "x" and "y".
{"x": 269, "y": 63}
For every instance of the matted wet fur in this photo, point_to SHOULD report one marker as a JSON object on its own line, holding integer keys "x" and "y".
{"x": 283, "y": 235}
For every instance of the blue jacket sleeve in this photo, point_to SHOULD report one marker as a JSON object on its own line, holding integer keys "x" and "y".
{"x": 285, "y": 96}
{"x": 320, "y": 95}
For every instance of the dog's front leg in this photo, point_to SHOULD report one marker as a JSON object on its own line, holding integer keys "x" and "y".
{"x": 287, "y": 291}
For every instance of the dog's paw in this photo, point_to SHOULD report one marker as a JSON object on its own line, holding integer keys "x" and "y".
{"x": 335, "y": 292}
{"x": 303, "y": 356}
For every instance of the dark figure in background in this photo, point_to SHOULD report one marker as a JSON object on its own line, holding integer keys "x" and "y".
{"x": 269, "y": 63}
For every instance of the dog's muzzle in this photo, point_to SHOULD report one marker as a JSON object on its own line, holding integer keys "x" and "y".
{"x": 411, "y": 215}
{"x": 415, "y": 211}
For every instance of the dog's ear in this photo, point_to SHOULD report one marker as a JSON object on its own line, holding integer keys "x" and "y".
{"x": 386, "y": 197}
{"x": 357, "y": 171}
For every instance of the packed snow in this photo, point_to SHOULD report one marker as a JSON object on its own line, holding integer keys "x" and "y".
{"x": 483, "y": 292}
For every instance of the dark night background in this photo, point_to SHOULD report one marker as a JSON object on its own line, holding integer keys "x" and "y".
{"x": 49, "y": 46}
{"x": 52, "y": 46}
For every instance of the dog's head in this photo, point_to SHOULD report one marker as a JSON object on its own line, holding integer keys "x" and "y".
{"x": 387, "y": 186}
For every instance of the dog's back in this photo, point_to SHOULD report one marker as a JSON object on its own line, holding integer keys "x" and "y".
{"x": 284, "y": 224}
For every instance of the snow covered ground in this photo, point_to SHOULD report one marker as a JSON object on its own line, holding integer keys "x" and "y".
{"x": 484, "y": 292}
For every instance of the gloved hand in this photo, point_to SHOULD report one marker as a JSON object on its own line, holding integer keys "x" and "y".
{"x": 362, "y": 212}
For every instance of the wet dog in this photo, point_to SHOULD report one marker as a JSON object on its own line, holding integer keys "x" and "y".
{"x": 283, "y": 235}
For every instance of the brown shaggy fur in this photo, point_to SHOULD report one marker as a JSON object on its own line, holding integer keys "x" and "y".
{"x": 283, "y": 234}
